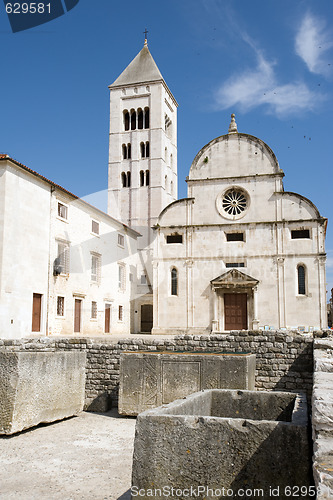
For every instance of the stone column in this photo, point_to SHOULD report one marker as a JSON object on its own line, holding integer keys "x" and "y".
{"x": 155, "y": 297}
{"x": 281, "y": 293}
{"x": 255, "y": 322}
{"x": 322, "y": 291}
{"x": 215, "y": 321}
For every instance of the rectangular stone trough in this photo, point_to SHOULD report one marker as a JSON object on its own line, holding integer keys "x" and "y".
{"x": 149, "y": 379}
{"x": 39, "y": 387}
{"x": 231, "y": 439}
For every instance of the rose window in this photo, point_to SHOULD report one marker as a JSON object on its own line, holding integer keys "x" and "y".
{"x": 234, "y": 202}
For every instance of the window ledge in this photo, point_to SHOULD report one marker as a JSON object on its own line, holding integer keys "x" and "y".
{"x": 63, "y": 220}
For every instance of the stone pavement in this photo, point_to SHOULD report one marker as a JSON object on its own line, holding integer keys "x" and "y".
{"x": 88, "y": 457}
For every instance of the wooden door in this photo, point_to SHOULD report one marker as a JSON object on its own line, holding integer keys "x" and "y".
{"x": 235, "y": 311}
{"x": 77, "y": 315}
{"x": 146, "y": 318}
{"x": 36, "y": 312}
{"x": 107, "y": 318}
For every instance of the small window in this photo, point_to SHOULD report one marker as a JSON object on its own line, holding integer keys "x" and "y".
{"x": 143, "y": 149}
{"x": 143, "y": 279}
{"x": 147, "y": 118}
{"x": 121, "y": 240}
{"x": 147, "y": 149}
{"x": 174, "y": 238}
{"x": 133, "y": 120}
{"x": 62, "y": 210}
{"x": 121, "y": 277}
{"x": 120, "y": 313}
{"x": 124, "y": 152}
{"x": 142, "y": 178}
{"x": 147, "y": 178}
{"x": 301, "y": 280}
{"x": 140, "y": 118}
{"x": 95, "y": 267}
{"x": 128, "y": 179}
{"x": 235, "y": 236}
{"x": 94, "y": 310}
{"x": 235, "y": 264}
{"x": 61, "y": 263}
{"x": 174, "y": 281}
{"x": 300, "y": 234}
{"x": 130, "y": 277}
{"x": 95, "y": 227}
{"x": 60, "y": 306}
{"x": 123, "y": 179}
{"x": 126, "y": 120}
{"x": 129, "y": 151}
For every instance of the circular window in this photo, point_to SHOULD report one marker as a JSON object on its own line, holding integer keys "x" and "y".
{"x": 233, "y": 203}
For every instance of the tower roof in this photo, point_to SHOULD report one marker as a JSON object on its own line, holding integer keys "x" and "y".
{"x": 142, "y": 69}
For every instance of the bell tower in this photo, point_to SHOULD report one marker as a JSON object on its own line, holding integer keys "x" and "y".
{"x": 142, "y": 177}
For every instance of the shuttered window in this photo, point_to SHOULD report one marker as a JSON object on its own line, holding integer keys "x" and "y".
{"x": 95, "y": 267}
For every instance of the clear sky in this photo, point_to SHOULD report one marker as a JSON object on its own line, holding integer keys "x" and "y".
{"x": 268, "y": 61}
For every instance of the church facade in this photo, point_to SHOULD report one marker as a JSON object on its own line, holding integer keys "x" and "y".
{"x": 239, "y": 252}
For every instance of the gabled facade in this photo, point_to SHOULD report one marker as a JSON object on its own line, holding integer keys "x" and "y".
{"x": 239, "y": 252}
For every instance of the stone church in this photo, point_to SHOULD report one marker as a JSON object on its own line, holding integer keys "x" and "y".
{"x": 239, "y": 252}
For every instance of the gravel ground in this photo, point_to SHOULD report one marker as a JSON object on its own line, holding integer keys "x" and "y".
{"x": 88, "y": 457}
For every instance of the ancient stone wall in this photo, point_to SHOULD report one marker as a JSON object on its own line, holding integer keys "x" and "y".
{"x": 322, "y": 418}
{"x": 284, "y": 360}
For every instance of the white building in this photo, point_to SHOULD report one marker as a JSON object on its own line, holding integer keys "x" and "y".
{"x": 239, "y": 252}
{"x": 65, "y": 265}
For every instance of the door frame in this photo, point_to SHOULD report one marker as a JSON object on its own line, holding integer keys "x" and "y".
{"x": 77, "y": 300}
{"x": 107, "y": 306}
{"x": 40, "y": 295}
{"x": 239, "y": 292}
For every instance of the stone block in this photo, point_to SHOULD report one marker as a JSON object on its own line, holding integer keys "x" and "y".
{"x": 39, "y": 387}
{"x": 148, "y": 380}
{"x": 231, "y": 439}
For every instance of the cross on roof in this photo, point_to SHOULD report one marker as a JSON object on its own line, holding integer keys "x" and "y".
{"x": 146, "y": 33}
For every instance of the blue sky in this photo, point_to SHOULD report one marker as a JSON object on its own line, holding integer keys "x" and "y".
{"x": 270, "y": 62}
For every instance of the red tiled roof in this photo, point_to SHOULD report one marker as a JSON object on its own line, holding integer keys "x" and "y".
{"x": 33, "y": 172}
{"x": 5, "y": 157}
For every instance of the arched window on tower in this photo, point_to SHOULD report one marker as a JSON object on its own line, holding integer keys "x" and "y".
{"x": 174, "y": 281}
{"x": 171, "y": 188}
{"x": 140, "y": 118}
{"x": 133, "y": 119}
{"x": 123, "y": 179}
{"x": 129, "y": 151}
{"x": 147, "y": 178}
{"x": 166, "y": 182}
{"x": 147, "y": 149}
{"x": 147, "y": 118}
{"x": 124, "y": 152}
{"x": 142, "y": 178}
{"x": 171, "y": 161}
{"x": 165, "y": 154}
{"x": 126, "y": 119}
{"x": 128, "y": 179}
{"x": 142, "y": 149}
{"x": 301, "y": 276}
